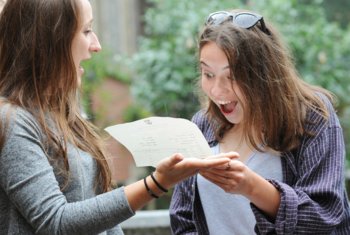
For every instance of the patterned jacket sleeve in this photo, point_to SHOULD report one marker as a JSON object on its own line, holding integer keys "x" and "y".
{"x": 182, "y": 204}
{"x": 313, "y": 197}
{"x": 181, "y": 209}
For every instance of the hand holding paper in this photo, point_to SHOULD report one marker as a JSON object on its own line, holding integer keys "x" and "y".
{"x": 152, "y": 139}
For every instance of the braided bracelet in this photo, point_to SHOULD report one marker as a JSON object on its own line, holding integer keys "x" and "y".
{"x": 150, "y": 192}
{"x": 158, "y": 184}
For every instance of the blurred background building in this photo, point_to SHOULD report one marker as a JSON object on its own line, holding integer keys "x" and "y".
{"x": 118, "y": 23}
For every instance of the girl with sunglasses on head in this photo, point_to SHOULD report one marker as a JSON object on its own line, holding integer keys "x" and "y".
{"x": 54, "y": 177}
{"x": 289, "y": 177}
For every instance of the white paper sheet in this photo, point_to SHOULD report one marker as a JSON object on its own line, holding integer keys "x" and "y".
{"x": 151, "y": 139}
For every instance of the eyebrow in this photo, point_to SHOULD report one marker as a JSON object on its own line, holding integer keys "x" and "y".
{"x": 205, "y": 64}
{"x": 90, "y": 22}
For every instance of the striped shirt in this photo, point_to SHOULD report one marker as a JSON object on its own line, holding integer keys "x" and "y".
{"x": 313, "y": 194}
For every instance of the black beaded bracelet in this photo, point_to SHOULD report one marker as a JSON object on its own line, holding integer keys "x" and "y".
{"x": 158, "y": 184}
{"x": 150, "y": 192}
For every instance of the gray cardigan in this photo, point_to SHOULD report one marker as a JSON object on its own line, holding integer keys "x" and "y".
{"x": 31, "y": 201}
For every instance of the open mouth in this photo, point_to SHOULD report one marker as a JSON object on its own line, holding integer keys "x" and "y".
{"x": 228, "y": 107}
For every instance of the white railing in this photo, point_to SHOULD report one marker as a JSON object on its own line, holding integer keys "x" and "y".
{"x": 148, "y": 219}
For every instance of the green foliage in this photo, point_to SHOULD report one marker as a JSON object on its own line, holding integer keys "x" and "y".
{"x": 101, "y": 66}
{"x": 166, "y": 62}
{"x": 321, "y": 50}
{"x": 135, "y": 112}
{"x": 338, "y": 11}
{"x": 166, "y": 70}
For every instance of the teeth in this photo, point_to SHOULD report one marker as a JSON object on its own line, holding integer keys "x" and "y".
{"x": 223, "y": 102}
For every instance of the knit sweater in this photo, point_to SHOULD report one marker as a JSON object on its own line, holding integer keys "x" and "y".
{"x": 31, "y": 199}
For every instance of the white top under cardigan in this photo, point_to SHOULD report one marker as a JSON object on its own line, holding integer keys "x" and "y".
{"x": 230, "y": 214}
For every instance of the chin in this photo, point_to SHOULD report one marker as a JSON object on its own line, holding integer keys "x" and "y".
{"x": 233, "y": 119}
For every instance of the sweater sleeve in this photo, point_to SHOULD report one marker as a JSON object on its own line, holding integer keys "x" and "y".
{"x": 314, "y": 202}
{"x": 29, "y": 182}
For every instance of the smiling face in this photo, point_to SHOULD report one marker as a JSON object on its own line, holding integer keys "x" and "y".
{"x": 218, "y": 85}
{"x": 85, "y": 40}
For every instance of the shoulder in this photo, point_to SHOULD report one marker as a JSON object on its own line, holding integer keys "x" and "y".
{"x": 200, "y": 118}
{"x": 316, "y": 122}
{"x": 323, "y": 133}
{"x": 15, "y": 119}
{"x": 14, "y": 112}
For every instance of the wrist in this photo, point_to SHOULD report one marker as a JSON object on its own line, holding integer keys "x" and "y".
{"x": 161, "y": 180}
{"x": 151, "y": 188}
{"x": 158, "y": 184}
{"x": 154, "y": 187}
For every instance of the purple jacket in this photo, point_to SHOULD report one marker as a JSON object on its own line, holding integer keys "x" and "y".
{"x": 313, "y": 194}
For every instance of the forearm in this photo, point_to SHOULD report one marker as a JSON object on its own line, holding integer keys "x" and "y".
{"x": 137, "y": 194}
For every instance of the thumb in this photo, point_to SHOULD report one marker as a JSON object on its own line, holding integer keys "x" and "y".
{"x": 176, "y": 158}
{"x": 231, "y": 155}
{"x": 170, "y": 161}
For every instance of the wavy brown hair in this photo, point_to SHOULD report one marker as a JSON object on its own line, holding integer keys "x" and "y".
{"x": 37, "y": 73}
{"x": 276, "y": 98}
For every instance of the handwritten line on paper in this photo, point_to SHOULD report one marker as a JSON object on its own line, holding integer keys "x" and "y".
{"x": 151, "y": 139}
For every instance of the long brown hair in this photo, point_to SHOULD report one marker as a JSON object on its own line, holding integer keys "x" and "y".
{"x": 37, "y": 73}
{"x": 276, "y": 99}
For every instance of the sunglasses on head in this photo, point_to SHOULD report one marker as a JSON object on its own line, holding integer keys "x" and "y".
{"x": 244, "y": 20}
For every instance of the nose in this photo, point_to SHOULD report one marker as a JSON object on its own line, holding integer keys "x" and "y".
{"x": 95, "y": 44}
{"x": 221, "y": 86}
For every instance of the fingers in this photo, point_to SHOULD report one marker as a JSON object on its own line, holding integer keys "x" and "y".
{"x": 212, "y": 176}
{"x": 225, "y": 167}
{"x": 204, "y": 163}
{"x": 219, "y": 160}
{"x": 180, "y": 167}
{"x": 176, "y": 158}
{"x": 228, "y": 167}
{"x": 231, "y": 169}
{"x": 170, "y": 161}
{"x": 225, "y": 183}
{"x": 223, "y": 175}
{"x": 232, "y": 165}
{"x": 230, "y": 155}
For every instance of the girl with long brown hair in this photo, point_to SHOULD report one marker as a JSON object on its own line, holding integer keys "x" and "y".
{"x": 289, "y": 177}
{"x": 54, "y": 177}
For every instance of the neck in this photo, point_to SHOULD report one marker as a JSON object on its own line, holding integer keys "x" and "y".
{"x": 234, "y": 140}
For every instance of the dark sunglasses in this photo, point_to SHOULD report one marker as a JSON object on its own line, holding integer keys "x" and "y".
{"x": 244, "y": 20}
